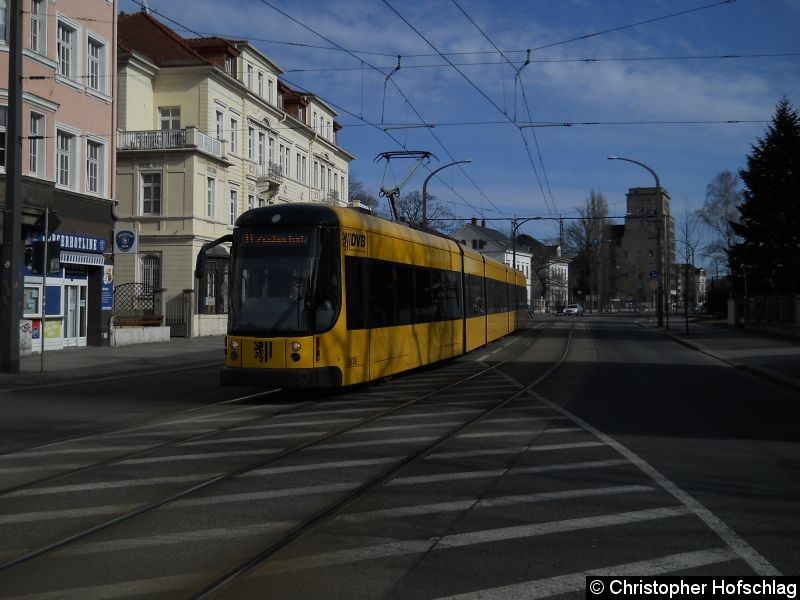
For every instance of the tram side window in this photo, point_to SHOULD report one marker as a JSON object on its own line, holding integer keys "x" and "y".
{"x": 404, "y": 296}
{"x": 381, "y": 294}
{"x": 452, "y": 287}
{"x": 423, "y": 305}
{"x": 476, "y": 305}
{"x": 356, "y": 280}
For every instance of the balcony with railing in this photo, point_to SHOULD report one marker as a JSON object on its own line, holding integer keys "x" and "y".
{"x": 171, "y": 139}
{"x": 268, "y": 176}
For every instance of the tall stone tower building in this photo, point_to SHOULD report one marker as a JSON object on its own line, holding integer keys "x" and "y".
{"x": 648, "y": 223}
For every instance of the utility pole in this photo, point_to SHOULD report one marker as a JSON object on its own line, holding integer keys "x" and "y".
{"x": 11, "y": 280}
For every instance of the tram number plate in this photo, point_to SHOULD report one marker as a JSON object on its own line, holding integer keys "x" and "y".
{"x": 351, "y": 361}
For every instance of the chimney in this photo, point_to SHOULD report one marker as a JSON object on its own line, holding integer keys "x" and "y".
{"x": 483, "y": 222}
{"x": 474, "y": 220}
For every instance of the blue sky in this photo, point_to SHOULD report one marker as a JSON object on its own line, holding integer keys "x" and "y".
{"x": 475, "y": 119}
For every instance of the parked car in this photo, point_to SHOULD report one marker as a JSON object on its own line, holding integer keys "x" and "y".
{"x": 573, "y": 309}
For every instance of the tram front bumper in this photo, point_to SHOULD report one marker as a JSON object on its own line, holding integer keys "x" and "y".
{"x": 319, "y": 377}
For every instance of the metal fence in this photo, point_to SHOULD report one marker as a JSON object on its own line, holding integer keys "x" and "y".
{"x": 777, "y": 309}
{"x": 134, "y": 304}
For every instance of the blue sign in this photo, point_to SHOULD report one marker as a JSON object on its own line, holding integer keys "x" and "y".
{"x": 653, "y": 274}
{"x": 75, "y": 241}
{"x": 125, "y": 240}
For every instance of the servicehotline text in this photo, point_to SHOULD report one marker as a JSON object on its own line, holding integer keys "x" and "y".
{"x": 691, "y": 587}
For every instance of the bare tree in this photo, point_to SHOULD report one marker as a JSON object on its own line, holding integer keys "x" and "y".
{"x": 440, "y": 217}
{"x": 357, "y": 193}
{"x": 586, "y": 241}
{"x": 723, "y": 198}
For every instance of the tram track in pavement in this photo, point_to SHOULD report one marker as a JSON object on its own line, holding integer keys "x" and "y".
{"x": 317, "y": 441}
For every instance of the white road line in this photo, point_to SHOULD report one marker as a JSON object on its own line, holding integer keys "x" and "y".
{"x": 125, "y": 589}
{"x": 92, "y": 450}
{"x": 514, "y": 432}
{"x": 72, "y": 513}
{"x": 251, "y": 496}
{"x": 186, "y": 537}
{"x": 473, "y": 538}
{"x": 576, "y": 582}
{"x": 383, "y": 442}
{"x": 595, "y": 464}
{"x": 343, "y": 464}
{"x": 295, "y": 424}
{"x": 745, "y": 551}
{"x": 253, "y": 438}
{"x": 36, "y": 468}
{"x": 107, "y": 485}
{"x": 200, "y": 456}
{"x": 447, "y": 507}
{"x": 413, "y": 426}
{"x": 514, "y": 450}
{"x": 342, "y": 557}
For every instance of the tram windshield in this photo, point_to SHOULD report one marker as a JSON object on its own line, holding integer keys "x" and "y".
{"x": 285, "y": 281}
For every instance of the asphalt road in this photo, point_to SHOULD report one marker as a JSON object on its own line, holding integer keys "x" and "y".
{"x": 634, "y": 454}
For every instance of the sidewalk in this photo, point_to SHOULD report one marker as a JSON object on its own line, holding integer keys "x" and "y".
{"x": 93, "y": 363}
{"x": 772, "y": 357}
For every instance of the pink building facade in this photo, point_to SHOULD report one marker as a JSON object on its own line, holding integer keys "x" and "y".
{"x": 68, "y": 162}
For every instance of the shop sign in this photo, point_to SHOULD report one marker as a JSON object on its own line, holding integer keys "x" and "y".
{"x": 75, "y": 241}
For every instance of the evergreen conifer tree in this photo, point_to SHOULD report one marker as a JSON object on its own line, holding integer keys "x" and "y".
{"x": 768, "y": 259}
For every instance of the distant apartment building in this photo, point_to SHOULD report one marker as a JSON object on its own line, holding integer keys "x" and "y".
{"x": 546, "y": 271}
{"x": 206, "y": 132}
{"x": 68, "y": 157}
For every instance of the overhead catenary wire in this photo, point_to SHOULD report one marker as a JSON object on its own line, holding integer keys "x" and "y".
{"x": 476, "y": 87}
{"x": 396, "y": 86}
{"x": 518, "y": 77}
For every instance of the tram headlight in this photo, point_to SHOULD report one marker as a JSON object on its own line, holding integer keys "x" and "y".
{"x": 295, "y": 346}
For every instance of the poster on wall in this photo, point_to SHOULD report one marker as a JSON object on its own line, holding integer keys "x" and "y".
{"x": 107, "y": 292}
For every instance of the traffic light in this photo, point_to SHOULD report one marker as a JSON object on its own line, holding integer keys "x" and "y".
{"x": 53, "y": 258}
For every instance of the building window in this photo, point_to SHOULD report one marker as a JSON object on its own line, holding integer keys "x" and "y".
{"x": 234, "y": 135}
{"x": 3, "y": 22}
{"x": 261, "y": 139}
{"x": 38, "y": 26}
{"x": 97, "y": 65}
{"x": 151, "y": 193}
{"x": 36, "y": 162}
{"x": 316, "y": 174}
{"x": 65, "y": 159}
{"x": 271, "y": 150}
{"x": 251, "y": 134}
{"x": 3, "y": 121}
{"x": 249, "y": 77}
{"x": 269, "y": 91}
{"x": 251, "y": 201}
{"x": 211, "y": 192}
{"x": 67, "y": 37}
{"x": 151, "y": 271}
{"x": 260, "y": 84}
{"x": 230, "y": 65}
{"x": 94, "y": 167}
{"x": 170, "y": 118}
{"x": 220, "y": 120}
{"x": 234, "y": 205}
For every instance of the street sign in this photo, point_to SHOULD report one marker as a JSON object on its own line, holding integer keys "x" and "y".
{"x": 653, "y": 285}
{"x": 653, "y": 274}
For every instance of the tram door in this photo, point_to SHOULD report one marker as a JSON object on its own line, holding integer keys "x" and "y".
{"x": 75, "y": 315}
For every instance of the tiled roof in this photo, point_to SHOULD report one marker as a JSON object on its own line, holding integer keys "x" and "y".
{"x": 142, "y": 33}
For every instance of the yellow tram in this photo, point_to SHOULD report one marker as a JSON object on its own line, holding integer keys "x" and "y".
{"x": 325, "y": 297}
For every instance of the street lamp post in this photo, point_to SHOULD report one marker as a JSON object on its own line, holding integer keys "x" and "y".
{"x": 425, "y": 189}
{"x": 659, "y": 258}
